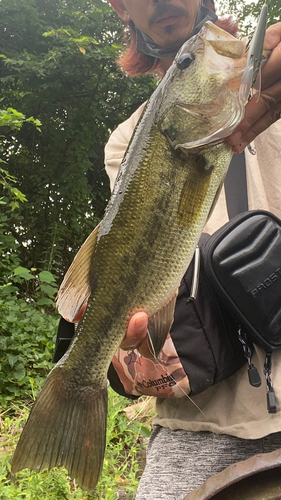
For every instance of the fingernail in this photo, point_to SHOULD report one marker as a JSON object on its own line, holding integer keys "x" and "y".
{"x": 235, "y": 139}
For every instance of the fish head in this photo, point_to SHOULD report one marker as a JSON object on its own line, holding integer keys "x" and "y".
{"x": 200, "y": 101}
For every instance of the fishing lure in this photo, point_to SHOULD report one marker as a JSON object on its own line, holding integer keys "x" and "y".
{"x": 251, "y": 78}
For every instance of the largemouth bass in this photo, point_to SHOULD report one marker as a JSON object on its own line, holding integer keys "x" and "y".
{"x": 134, "y": 260}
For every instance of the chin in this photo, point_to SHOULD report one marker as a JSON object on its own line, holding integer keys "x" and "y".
{"x": 174, "y": 36}
{"x": 172, "y": 41}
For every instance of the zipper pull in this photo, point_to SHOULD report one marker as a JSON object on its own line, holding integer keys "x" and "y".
{"x": 271, "y": 401}
{"x": 253, "y": 374}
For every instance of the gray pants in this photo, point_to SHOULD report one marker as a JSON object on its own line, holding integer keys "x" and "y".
{"x": 180, "y": 461}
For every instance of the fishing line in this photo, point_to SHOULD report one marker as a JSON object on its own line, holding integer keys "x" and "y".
{"x": 152, "y": 351}
{"x": 185, "y": 393}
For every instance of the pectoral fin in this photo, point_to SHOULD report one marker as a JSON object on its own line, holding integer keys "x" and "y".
{"x": 215, "y": 199}
{"x": 159, "y": 325}
{"x": 75, "y": 288}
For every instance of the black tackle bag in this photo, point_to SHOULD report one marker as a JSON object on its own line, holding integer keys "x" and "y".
{"x": 242, "y": 261}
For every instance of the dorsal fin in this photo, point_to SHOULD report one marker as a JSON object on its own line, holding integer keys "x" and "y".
{"x": 75, "y": 288}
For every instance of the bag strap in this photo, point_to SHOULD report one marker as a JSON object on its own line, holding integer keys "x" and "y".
{"x": 236, "y": 196}
{"x": 235, "y": 185}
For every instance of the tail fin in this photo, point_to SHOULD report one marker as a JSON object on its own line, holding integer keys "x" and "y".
{"x": 66, "y": 427}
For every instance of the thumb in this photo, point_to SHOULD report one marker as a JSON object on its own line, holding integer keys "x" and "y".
{"x": 136, "y": 332}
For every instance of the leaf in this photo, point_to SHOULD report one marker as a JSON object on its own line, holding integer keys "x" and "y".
{"x": 12, "y": 360}
{"x": 20, "y": 371}
{"x": 35, "y": 122}
{"x": 19, "y": 270}
{"x": 18, "y": 194}
{"x": 14, "y": 205}
{"x": 46, "y": 276}
{"x": 23, "y": 272}
{"x": 144, "y": 431}
{"x": 45, "y": 302}
{"x": 48, "y": 289}
{"x": 82, "y": 50}
{"x": 3, "y": 343}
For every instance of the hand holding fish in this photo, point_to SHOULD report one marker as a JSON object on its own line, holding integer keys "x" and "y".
{"x": 259, "y": 115}
{"x": 136, "y": 336}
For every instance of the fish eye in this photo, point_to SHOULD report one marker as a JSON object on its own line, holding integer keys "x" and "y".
{"x": 184, "y": 61}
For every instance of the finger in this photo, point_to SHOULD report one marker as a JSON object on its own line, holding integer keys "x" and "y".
{"x": 272, "y": 36}
{"x": 145, "y": 348}
{"x": 262, "y": 113}
{"x": 271, "y": 71}
{"x": 136, "y": 332}
{"x": 259, "y": 115}
{"x": 262, "y": 124}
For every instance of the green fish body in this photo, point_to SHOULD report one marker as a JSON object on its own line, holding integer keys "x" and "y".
{"x": 169, "y": 180}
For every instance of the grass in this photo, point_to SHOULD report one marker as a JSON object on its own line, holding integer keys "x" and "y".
{"x": 27, "y": 337}
{"x": 128, "y": 429}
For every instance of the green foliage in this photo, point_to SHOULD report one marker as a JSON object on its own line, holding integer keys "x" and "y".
{"x": 26, "y": 332}
{"x": 27, "y": 340}
{"x": 10, "y": 199}
{"x": 7, "y": 187}
{"x": 58, "y": 64}
{"x": 38, "y": 288}
{"x": 14, "y": 119}
{"x": 120, "y": 470}
{"x": 248, "y": 13}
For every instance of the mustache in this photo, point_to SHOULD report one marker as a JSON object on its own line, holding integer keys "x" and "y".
{"x": 163, "y": 9}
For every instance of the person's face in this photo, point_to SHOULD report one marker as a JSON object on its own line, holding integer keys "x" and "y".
{"x": 167, "y": 22}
